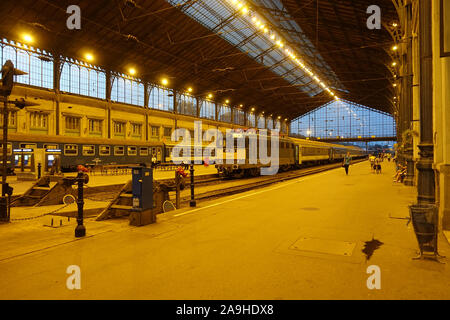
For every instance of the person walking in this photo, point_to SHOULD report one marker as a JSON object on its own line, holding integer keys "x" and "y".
{"x": 347, "y": 162}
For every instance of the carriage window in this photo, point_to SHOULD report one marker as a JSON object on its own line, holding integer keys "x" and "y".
{"x": 88, "y": 150}
{"x": 143, "y": 151}
{"x": 104, "y": 150}
{"x": 119, "y": 151}
{"x": 132, "y": 151}
{"x": 50, "y": 146}
{"x": 70, "y": 149}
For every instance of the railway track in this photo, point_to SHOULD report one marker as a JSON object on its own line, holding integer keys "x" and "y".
{"x": 257, "y": 182}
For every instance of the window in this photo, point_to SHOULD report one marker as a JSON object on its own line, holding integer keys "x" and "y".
{"x": 160, "y": 98}
{"x": 261, "y": 122}
{"x": 77, "y": 77}
{"x": 51, "y": 146}
{"x": 104, "y": 150}
{"x": 8, "y": 149}
{"x": 143, "y": 151}
{"x": 127, "y": 90}
{"x": 187, "y": 104}
{"x": 167, "y": 132}
{"x": 155, "y": 132}
{"x": 119, "y": 151}
{"x": 70, "y": 150}
{"x": 38, "y": 120}
{"x": 132, "y": 151}
{"x": 136, "y": 129}
{"x": 224, "y": 113}
{"x": 35, "y": 62}
{"x": 73, "y": 123}
{"x": 251, "y": 120}
{"x": 119, "y": 128}
{"x": 88, "y": 150}
{"x": 207, "y": 109}
{"x": 239, "y": 117}
{"x": 95, "y": 126}
{"x": 12, "y": 119}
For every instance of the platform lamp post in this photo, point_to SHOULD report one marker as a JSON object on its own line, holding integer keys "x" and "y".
{"x": 192, "y": 203}
{"x": 8, "y": 73}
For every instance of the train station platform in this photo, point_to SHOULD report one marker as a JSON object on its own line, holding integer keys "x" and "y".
{"x": 96, "y": 180}
{"x": 300, "y": 239}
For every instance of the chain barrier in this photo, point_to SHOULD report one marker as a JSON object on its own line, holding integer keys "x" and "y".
{"x": 42, "y": 215}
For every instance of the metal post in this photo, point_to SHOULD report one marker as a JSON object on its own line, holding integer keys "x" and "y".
{"x": 3, "y": 200}
{"x": 192, "y": 203}
{"x": 39, "y": 170}
{"x": 5, "y": 144}
{"x": 177, "y": 193}
{"x": 80, "y": 230}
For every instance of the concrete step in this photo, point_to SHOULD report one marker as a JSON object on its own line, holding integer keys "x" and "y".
{"x": 42, "y": 188}
{"x": 121, "y": 207}
{"x": 126, "y": 195}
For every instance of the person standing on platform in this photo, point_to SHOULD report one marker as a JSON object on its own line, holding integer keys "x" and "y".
{"x": 347, "y": 162}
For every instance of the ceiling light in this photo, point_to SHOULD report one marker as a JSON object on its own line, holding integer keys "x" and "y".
{"x": 27, "y": 38}
{"x": 189, "y": 89}
{"x": 164, "y": 81}
{"x": 132, "y": 71}
{"x": 89, "y": 57}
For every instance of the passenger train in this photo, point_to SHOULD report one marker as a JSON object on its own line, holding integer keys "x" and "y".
{"x": 25, "y": 152}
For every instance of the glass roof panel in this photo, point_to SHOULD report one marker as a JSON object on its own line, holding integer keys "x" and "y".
{"x": 219, "y": 16}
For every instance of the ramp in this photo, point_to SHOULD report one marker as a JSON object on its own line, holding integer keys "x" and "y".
{"x": 122, "y": 203}
{"x": 42, "y": 193}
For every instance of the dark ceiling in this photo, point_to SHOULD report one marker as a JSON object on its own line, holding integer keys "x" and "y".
{"x": 166, "y": 42}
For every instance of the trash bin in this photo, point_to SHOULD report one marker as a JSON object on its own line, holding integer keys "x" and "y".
{"x": 424, "y": 218}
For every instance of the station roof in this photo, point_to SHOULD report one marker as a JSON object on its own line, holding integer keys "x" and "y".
{"x": 210, "y": 46}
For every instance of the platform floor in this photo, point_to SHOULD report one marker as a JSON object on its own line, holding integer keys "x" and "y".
{"x": 301, "y": 239}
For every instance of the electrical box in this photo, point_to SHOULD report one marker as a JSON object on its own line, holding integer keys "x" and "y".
{"x": 142, "y": 188}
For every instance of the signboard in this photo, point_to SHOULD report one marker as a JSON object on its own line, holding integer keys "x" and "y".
{"x": 445, "y": 28}
{"x": 23, "y": 150}
{"x": 53, "y": 150}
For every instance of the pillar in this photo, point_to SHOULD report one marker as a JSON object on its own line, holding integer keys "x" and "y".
{"x": 408, "y": 82}
{"x": 426, "y": 178}
{"x": 441, "y": 82}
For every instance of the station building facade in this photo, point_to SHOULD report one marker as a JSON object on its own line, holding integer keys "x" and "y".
{"x": 76, "y": 99}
